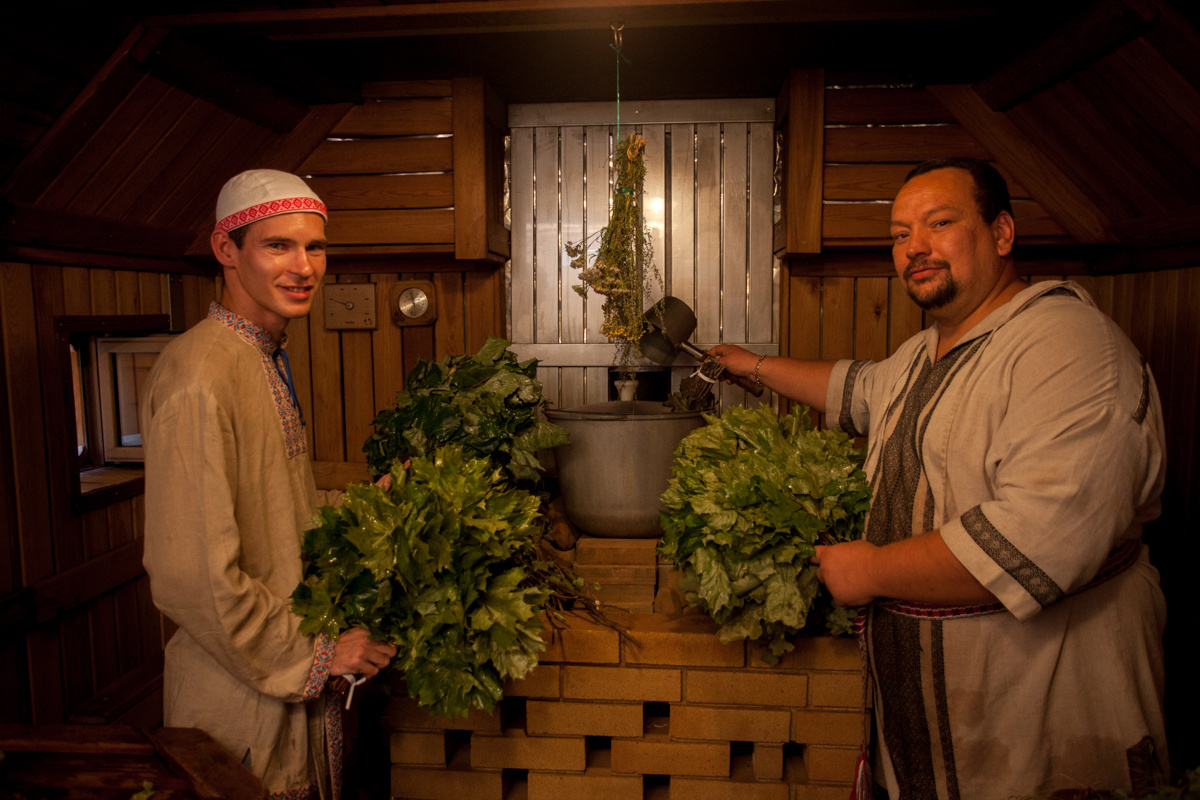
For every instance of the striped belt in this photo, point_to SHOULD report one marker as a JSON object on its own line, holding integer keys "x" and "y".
{"x": 1118, "y": 560}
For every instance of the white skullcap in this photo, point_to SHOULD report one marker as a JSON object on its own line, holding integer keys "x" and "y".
{"x": 260, "y": 193}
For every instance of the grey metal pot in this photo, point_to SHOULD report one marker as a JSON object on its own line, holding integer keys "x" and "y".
{"x": 618, "y": 464}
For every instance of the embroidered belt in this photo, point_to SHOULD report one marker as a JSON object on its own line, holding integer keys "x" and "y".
{"x": 1119, "y": 559}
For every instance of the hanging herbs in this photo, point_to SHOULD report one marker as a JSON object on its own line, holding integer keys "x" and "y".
{"x": 624, "y": 258}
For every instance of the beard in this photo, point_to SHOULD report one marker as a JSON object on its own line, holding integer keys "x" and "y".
{"x": 931, "y": 293}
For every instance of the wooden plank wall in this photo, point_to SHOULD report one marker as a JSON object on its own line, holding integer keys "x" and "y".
{"x": 343, "y": 378}
{"x": 386, "y": 172}
{"x": 708, "y": 205}
{"x": 846, "y": 303}
{"x": 103, "y": 633}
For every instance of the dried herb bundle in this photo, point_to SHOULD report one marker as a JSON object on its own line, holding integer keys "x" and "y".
{"x": 624, "y": 257}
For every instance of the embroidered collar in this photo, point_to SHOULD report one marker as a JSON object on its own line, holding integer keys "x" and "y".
{"x": 255, "y": 335}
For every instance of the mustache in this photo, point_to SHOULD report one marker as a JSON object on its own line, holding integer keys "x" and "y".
{"x": 924, "y": 263}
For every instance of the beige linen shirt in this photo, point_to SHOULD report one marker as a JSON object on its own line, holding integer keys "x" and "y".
{"x": 1036, "y": 447}
{"x": 229, "y": 490}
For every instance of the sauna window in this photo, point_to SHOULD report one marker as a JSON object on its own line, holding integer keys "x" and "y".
{"x": 106, "y": 361}
{"x": 122, "y": 367}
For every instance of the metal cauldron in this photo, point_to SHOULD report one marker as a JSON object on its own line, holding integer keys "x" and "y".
{"x": 618, "y": 464}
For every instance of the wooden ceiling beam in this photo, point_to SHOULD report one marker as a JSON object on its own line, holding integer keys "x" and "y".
{"x": 1041, "y": 177}
{"x": 1096, "y": 31}
{"x": 22, "y": 224}
{"x": 510, "y": 16}
{"x": 1179, "y": 227}
{"x": 173, "y": 58}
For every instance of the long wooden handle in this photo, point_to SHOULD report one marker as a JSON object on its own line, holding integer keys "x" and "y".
{"x": 750, "y": 386}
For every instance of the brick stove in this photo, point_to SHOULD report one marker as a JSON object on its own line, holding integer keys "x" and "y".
{"x": 666, "y": 712}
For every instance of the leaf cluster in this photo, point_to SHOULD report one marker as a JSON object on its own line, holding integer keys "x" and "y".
{"x": 486, "y": 403}
{"x": 750, "y": 496}
{"x": 432, "y": 565}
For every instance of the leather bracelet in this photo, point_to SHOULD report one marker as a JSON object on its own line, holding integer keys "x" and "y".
{"x": 761, "y": 358}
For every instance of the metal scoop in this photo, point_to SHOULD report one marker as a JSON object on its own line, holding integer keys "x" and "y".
{"x": 672, "y": 322}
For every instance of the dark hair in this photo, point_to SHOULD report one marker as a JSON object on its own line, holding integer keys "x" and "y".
{"x": 238, "y": 236}
{"x": 991, "y": 192}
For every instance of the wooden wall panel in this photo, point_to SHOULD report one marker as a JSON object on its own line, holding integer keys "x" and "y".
{"x": 107, "y": 628}
{"x": 371, "y": 156}
{"x": 403, "y": 117}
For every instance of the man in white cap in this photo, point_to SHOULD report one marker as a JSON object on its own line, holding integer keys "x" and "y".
{"x": 229, "y": 489}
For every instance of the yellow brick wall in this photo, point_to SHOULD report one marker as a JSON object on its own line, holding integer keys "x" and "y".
{"x": 664, "y": 713}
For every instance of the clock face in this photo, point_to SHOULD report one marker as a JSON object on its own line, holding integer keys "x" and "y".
{"x": 413, "y": 302}
{"x": 349, "y": 306}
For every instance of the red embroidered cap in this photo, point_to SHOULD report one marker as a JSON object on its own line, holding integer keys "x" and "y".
{"x": 260, "y": 193}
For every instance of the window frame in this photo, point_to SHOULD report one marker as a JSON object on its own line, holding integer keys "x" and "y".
{"x": 131, "y": 481}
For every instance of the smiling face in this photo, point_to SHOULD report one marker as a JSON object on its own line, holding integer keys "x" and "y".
{"x": 274, "y": 276}
{"x": 953, "y": 263}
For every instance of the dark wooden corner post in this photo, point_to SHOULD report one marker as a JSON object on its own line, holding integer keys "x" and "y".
{"x": 800, "y": 122}
{"x": 480, "y": 119}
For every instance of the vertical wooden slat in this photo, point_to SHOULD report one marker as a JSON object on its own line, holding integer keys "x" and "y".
{"x": 653, "y": 204}
{"x": 387, "y": 348}
{"x": 102, "y": 619}
{"x": 449, "y": 336}
{"x": 77, "y": 290}
{"x": 59, "y": 443}
{"x": 300, "y": 362}
{"x": 837, "y": 318}
{"x": 521, "y": 299}
{"x": 327, "y": 418}
{"x": 548, "y": 376}
{"x": 735, "y": 287}
{"x": 470, "y": 169}
{"x": 1122, "y": 304}
{"x": 104, "y": 291}
{"x": 418, "y": 339}
{"x": 761, "y": 324}
{"x": 480, "y": 297}
{"x": 128, "y": 290}
{"x": 871, "y": 319}
{"x": 546, "y": 247}
{"x": 682, "y": 264}
{"x": 597, "y": 196}
{"x": 17, "y": 302}
{"x": 358, "y": 384}
{"x": 904, "y": 316}
{"x": 197, "y": 295}
{"x": 573, "y": 306}
{"x": 78, "y": 684}
{"x": 150, "y": 292}
{"x": 708, "y": 231}
{"x": 804, "y": 320}
{"x": 570, "y": 387}
{"x": 129, "y": 636}
{"x": 804, "y": 179}
{"x": 596, "y": 384}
